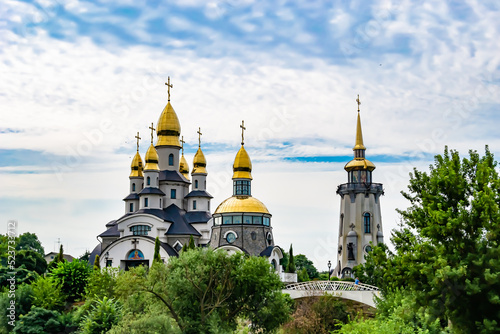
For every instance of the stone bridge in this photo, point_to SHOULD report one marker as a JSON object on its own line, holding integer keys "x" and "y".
{"x": 362, "y": 293}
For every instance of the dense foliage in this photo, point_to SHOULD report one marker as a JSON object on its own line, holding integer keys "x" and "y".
{"x": 447, "y": 250}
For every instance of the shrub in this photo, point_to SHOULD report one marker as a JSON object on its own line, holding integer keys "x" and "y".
{"x": 72, "y": 277}
{"x": 47, "y": 294}
{"x": 102, "y": 316}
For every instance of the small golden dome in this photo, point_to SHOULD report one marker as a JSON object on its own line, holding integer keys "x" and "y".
{"x": 359, "y": 164}
{"x": 136, "y": 166}
{"x": 151, "y": 159}
{"x": 184, "y": 167}
{"x": 168, "y": 128}
{"x": 242, "y": 166}
{"x": 199, "y": 163}
{"x": 241, "y": 204}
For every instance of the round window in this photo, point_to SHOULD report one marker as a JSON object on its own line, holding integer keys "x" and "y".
{"x": 368, "y": 249}
{"x": 231, "y": 237}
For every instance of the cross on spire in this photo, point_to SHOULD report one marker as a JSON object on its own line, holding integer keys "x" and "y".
{"x": 169, "y": 85}
{"x": 243, "y": 128}
{"x": 359, "y": 102}
{"x": 352, "y": 226}
{"x": 152, "y": 131}
{"x": 138, "y": 138}
{"x": 182, "y": 144}
{"x": 199, "y": 137}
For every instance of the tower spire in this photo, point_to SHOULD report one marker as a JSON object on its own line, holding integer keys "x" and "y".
{"x": 359, "y": 133}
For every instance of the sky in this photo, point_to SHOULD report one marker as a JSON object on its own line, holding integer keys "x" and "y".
{"x": 80, "y": 78}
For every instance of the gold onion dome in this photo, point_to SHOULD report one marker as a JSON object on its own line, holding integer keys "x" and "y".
{"x": 168, "y": 128}
{"x": 241, "y": 204}
{"x": 136, "y": 166}
{"x": 199, "y": 163}
{"x": 242, "y": 166}
{"x": 184, "y": 167}
{"x": 151, "y": 159}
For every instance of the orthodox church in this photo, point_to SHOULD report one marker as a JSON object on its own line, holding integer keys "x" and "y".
{"x": 165, "y": 202}
{"x": 360, "y": 217}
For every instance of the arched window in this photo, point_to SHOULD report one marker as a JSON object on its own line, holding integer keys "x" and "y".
{"x": 194, "y": 205}
{"x": 171, "y": 159}
{"x": 274, "y": 264}
{"x": 148, "y": 181}
{"x": 196, "y": 184}
{"x": 133, "y": 186}
{"x": 367, "y": 222}
{"x": 146, "y": 202}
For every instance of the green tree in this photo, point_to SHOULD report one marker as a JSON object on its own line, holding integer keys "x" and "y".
{"x": 31, "y": 261}
{"x": 157, "y": 257}
{"x": 29, "y": 241}
{"x": 290, "y": 268}
{"x": 191, "y": 243}
{"x": 448, "y": 246}
{"x": 97, "y": 265}
{"x": 204, "y": 289}
{"x": 302, "y": 275}
{"x": 72, "y": 277}
{"x": 40, "y": 320}
{"x": 301, "y": 261}
{"x": 60, "y": 255}
{"x": 85, "y": 256}
{"x": 101, "y": 283}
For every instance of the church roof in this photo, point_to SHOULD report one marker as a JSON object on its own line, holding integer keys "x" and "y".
{"x": 131, "y": 196}
{"x": 267, "y": 252}
{"x": 199, "y": 193}
{"x": 111, "y": 223}
{"x": 173, "y": 214}
{"x": 172, "y": 175}
{"x": 151, "y": 190}
{"x": 110, "y": 232}
{"x": 198, "y": 217}
{"x": 241, "y": 204}
{"x": 95, "y": 251}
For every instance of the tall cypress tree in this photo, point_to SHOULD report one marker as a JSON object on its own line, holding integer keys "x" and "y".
{"x": 157, "y": 257}
{"x": 291, "y": 262}
{"x": 97, "y": 266}
{"x": 191, "y": 243}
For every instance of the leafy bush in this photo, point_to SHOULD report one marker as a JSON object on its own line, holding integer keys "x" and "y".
{"x": 103, "y": 315}
{"x": 102, "y": 283}
{"x": 72, "y": 277}
{"x": 47, "y": 294}
{"x": 39, "y": 321}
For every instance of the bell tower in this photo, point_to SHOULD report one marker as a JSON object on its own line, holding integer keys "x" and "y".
{"x": 360, "y": 219}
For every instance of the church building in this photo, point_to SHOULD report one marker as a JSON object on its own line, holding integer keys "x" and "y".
{"x": 360, "y": 217}
{"x": 164, "y": 202}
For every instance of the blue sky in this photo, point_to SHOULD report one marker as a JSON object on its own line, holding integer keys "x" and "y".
{"x": 80, "y": 78}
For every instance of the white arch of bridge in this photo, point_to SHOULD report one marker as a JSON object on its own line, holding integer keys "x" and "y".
{"x": 362, "y": 293}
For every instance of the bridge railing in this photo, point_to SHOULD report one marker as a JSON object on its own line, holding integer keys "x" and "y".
{"x": 330, "y": 286}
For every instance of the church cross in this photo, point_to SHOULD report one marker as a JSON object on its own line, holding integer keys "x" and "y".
{"x": 168, "y": 87}
{"x": 242, "y": 126}
{"x": 182, "y": 143}
{"x": 152, "y": 131}
{"x": 358, "y": 101}
{"x": 199, "y": 137}
{"x": 352, "y": 226}
{"x": 138, "y": 138}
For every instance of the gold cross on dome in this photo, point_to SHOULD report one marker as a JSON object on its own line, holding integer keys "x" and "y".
{"x": 358, "y": 101}
{"x": 182, "y": 144}
{"x": 168, "y": 87}
{"x": 152, "y": 131}
{"x": 199, "y": 137}
{"x": 138, "y": 138}
{"x": 242, "y": 126}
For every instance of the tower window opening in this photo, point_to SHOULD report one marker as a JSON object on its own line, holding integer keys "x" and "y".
{"x": 131, "y": 207}
{"x": 148, "y": 181}
{"x": 341, "y": 232}
{"x": 367, "y": 222}
{"x": 173, "y": 193}
{"x": 194, "y": 205}
{"x": 196, "y": 184}
{"x": 133, "y": 186}
{"x": 146, "y": 202}
{"x": 171, "y": 159}
{"x": 241, "y": 187}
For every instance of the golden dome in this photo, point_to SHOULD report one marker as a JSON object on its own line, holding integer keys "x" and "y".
{"x": 241, "y": 204}
{"x": 151, "y": 159}
{"x": 359, "y": 164}
{"x": 242, "y": 166}
{"x": 199, "y": 163}
{"x": 136, "y": 166}
{"x": 168, "y": 128}
{"x": 184, "y": 167}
